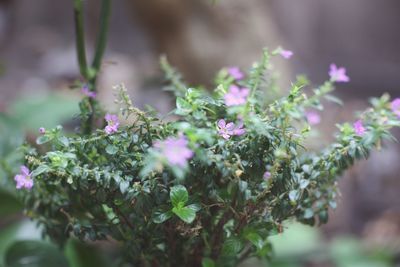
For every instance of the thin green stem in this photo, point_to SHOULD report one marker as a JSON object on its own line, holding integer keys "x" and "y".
{"x": 90, "y": 109}
{"x": 80, "y": 37}
{"x": 102, "y": 38}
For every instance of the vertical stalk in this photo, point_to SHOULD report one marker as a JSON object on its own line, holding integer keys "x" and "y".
{"x": 89, "y": 109}
{"x": 80, "y": 38}
{"x": 102, "y": 37}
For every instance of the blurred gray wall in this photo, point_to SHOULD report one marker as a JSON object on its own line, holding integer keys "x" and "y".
{"x": 363, "y": 35}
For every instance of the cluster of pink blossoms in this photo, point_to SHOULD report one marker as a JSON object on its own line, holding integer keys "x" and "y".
{"x": 286, "y": 53}
{"x": 175, "y": 150}
{"x": 313, "y": 117}
{"x": 236, "y": 73}
{"x": 359, "y": 128}
{"x": 236, "y": 96}
{"x": 226, "y": 130}
{"x": 24, "y": 180}
{"x": 113, "y": 123}
{"x": 395, "y": 106}
{"x": 338, "y": 74}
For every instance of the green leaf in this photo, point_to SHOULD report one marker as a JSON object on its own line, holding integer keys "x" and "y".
{"x": 296, "y": 240}
{"x": 178, "y": 195}
{"x": 8, "y": 235}
{"x": 194, "y": 207}
{"x": 255, "y": 239}
{"x": 182, "y": 107}
{"x": 123, "y": 186}
{"x": 63, "y": 140}
{"x": 45, "y": 110}
{"x": 294, "y": 195}
{"x": 185, "y": 214}
{"x": 34, "y": 254}
{"x": 232, "y": 246}
{"x": 304, "y": 183}
{"x": 334, "y": 99}
{"x": 308, "y": 213}
{"x": 207, "y": 262}
{"x": 39, "y": 170}
{"x": 110, "y": 149}
{"x": 160, "y": 216}
{"x": 11, "y": 204}
{"x": 82, "y": 255}
{"x": 42, "y": 139}
{"x": 323, "y": 216}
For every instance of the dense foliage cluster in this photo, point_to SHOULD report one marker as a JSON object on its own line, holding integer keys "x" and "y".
{"x": 207, "y": 187}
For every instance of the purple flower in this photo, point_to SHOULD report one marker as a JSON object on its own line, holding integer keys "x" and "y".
{"x": 359, "y": 128}
{"x": 175, "y": 150}
{"x": 267, "y": 175}
{"x": 286, "y": 53}
{"x": 395, "y": 106}
{"x": 236, "y": 73}
{"x": 24, "y": 180}
{"x": 42, "y": 130}
{"x": 239, "y": 130}
{"x": 313, "y": 117}
{"x": 113, "y": 123}
{"x": 86, "y": 91}
{"x": 226, "y": 130}
{"x": 236, "y": 96}
{"x": 338, "y": 74}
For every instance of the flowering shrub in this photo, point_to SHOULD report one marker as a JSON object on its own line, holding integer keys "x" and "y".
{"x": 208, "y": 188}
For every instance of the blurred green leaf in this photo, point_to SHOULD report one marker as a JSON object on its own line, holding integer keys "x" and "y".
{"x": 34, "y": 254}
{"x": 296, "y": 240}
{"x": 232, "y": 246}
{"x": 160, "y": 217}
{"x": 182, "y": 107}
{"x": 110, "y": 149}
{"x": 82, "y": 255}
{"x": 7, "y": 237}
{"x": 11, "y": 137}
{"x": 42, "y": 139}
{"x": 10, "y": 204}
{"x": 207, "y": 262}
{"x": 44, "y": 110}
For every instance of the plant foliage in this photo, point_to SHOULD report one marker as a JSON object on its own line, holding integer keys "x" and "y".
{"x": 220, "y": 207}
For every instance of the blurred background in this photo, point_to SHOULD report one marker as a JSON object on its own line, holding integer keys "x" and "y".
{"x": 38, "y": 65}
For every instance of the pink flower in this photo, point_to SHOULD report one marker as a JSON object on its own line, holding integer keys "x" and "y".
{"x": 236, "y": 96}
{"x": 226, "y": 130}
{"x": 24, "y": 180}
{"x": 338, "y": 74}
{"x": 286, "y": 53}
{"x": 113, "y": 123}
{"x": 359, "y": 128}
{"x": 86, "y": 91}
{"x": 313, "y": 117}
{"x": 239, "y": 130}
{"x": 175, "y": 150}
{"x": 395, "y": 106}
{"x": 42, "y": 130}
{"x": 267, "y": 175}
{"x": 236, "y": 73}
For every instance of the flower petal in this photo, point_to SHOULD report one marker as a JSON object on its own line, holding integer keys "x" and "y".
{"x": 221, "y": 123}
